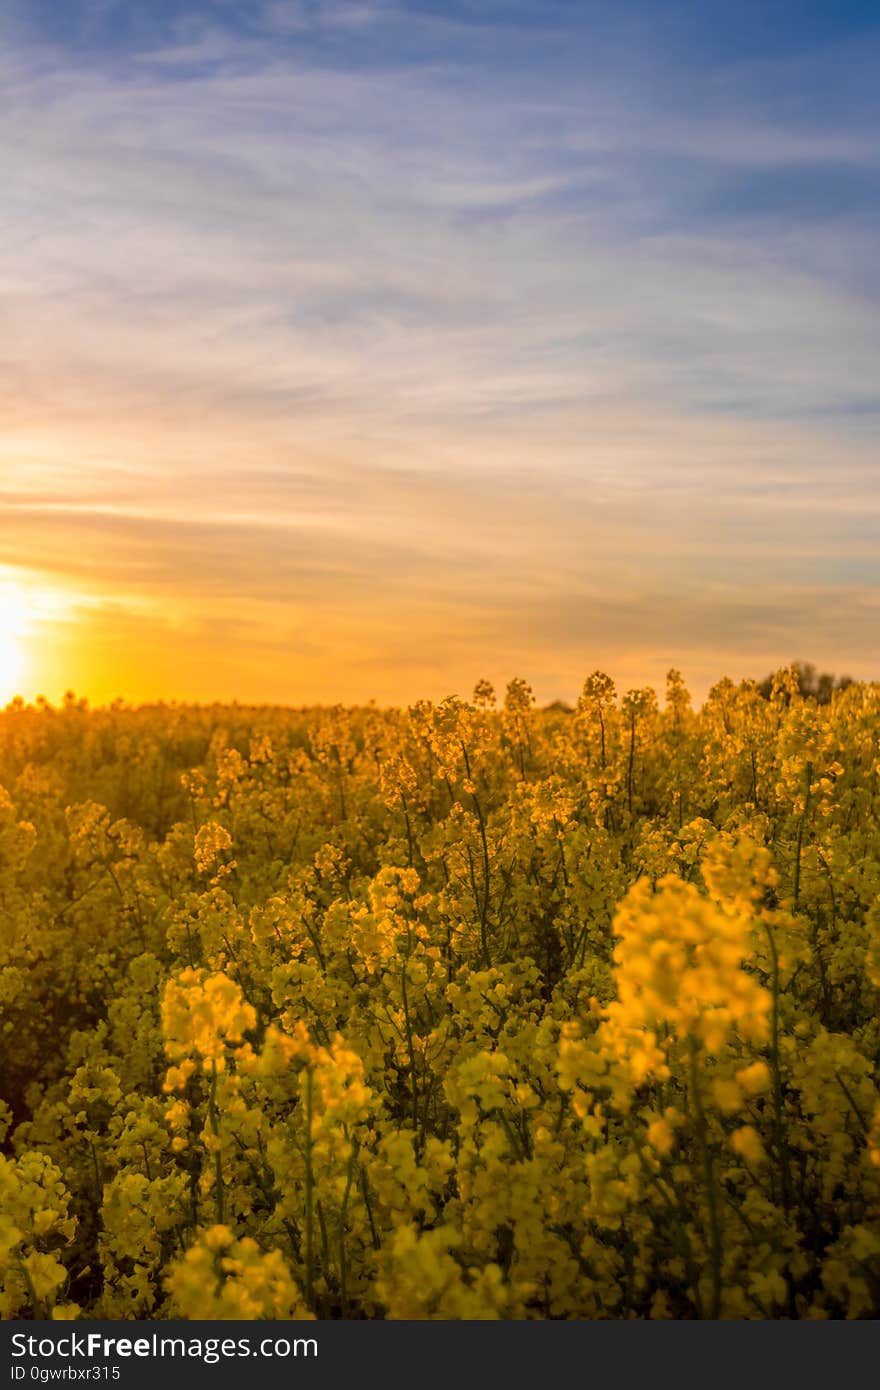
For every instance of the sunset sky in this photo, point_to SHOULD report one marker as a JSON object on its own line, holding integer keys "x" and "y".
{"x": 359, "y": 350}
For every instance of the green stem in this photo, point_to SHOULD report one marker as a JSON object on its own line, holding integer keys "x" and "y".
{"x": 778, "y": 1126}
{"x": 410, "y": 1047}
{"x": 709, "y": 1178}
{"x": 800, "y": 837}
{"x": 218, "y": 1156}
{"x": 343, "y": 1216}
{"x": 310, "y": 1186}
{"x": 484, "y": 910}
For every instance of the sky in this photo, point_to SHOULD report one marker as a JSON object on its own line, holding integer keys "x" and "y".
{"x": 357, "y": 350}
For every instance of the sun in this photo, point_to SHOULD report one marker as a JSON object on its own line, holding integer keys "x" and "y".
{"x": 14, "y": 622}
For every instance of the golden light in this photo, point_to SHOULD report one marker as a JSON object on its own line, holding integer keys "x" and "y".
{"x": 45, "y": 645}
{"x": 13, "y": 628}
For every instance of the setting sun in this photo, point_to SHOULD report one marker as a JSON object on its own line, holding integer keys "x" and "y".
{"x": 13, "y": 627}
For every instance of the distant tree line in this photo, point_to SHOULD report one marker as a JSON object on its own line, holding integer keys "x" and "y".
{"x": 821, "y": 685}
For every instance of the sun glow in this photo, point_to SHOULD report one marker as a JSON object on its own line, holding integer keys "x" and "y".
{"x": 14, "y": 622}
{"x": 48, "y": 640}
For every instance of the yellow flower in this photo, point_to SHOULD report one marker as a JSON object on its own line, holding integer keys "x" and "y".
{"x": 747, "y": 1142}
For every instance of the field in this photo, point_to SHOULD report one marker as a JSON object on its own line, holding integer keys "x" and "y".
{"x": 462, "y": 1011}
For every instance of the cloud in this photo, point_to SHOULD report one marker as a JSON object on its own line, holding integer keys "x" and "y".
{"x": 316, "y": 238}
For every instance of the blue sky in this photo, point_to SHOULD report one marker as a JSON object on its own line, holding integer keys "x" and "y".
{"x": 357, "y": 349}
